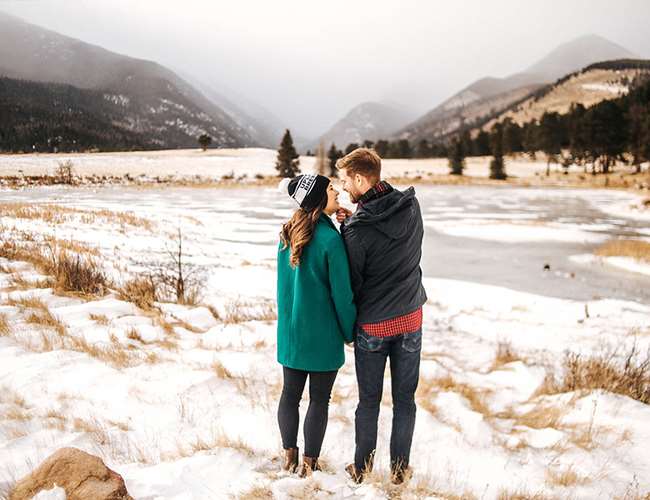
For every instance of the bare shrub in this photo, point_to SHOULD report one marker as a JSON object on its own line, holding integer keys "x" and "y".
{"x": 65, "y": 172}
{"x": 631, "y": 377}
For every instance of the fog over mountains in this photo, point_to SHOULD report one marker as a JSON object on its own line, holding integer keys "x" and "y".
{"x": 166, "y": 108}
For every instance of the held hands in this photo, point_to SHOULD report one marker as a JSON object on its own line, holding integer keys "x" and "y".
{"x": 342, "y": 214}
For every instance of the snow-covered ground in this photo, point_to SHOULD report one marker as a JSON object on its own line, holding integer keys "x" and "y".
{"x": 215, "y": 163}
{"x": 182, "y": 401}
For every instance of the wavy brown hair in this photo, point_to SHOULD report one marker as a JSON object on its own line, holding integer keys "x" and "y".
{"x": 298, "y": 232}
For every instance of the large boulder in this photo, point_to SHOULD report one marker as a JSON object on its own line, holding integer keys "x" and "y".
{"x": 81, "y": 475}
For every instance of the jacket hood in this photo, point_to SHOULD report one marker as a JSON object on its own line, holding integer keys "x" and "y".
{"x": 392, "y": 214}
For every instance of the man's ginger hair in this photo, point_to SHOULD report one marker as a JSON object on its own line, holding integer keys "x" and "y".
{"x": 362, "y": 161}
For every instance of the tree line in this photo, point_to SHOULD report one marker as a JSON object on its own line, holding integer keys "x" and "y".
{"x": 596, "y": 138}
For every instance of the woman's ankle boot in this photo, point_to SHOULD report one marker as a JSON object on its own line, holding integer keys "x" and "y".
{"x": 290, "y": 460}
{"x": 309, "y": 465}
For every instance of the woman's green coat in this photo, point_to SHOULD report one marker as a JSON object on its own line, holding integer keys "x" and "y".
{"x": 316, "y": 311}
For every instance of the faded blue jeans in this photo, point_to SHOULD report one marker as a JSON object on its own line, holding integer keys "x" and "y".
{"x": 371, "y": 354}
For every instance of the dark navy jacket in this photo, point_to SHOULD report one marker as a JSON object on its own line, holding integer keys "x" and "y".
{"x": 383, "y": 239}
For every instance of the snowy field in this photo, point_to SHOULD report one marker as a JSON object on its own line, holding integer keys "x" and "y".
{"x": 181, "y": 400}
{"x": 215, "y": 163}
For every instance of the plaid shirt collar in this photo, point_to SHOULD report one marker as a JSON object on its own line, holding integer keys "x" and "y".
{"x": 377, "y": 191}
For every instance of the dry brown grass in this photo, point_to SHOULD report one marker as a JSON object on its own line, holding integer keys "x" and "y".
{"x": 70, "y": 272}
{"x": 134, "y": 335}
{"x": 241, "y": 311}
{"x": 5, "y": 328}
{"x": 505, "y": 354}
{"x": 141, "y": 291}
{"x": 79, "y": 274}
{"x": 629, "y": 377}
{"x": 100, "y": 319}
{"x": 257, "y": 493}
{"x": 48, "y": 320}
{"x": 221, "y": 370}
{"x": 639, "y": 250}
{"x": 475, "y": 397}
{"x": 521, "y": 494}
{"x": 565, "y": 478}
{"x": 58, "y": 214}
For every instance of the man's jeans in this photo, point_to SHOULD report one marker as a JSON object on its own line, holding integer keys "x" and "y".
{"x": 370, "y": 360}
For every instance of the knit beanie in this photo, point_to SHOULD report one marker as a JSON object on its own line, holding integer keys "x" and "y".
{"x": 308, "y": 190}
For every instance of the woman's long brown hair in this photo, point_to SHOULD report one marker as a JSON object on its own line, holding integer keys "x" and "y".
{"x": 297, "y": 233}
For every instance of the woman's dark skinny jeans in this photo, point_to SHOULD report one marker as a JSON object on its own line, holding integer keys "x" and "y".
{"x": 320, "y": 389}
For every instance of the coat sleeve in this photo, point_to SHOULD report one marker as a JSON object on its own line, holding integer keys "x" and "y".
{"x": 356, "y": 257}
{"x": 341, "y": 288}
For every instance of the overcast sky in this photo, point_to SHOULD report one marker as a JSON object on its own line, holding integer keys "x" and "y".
{"x": 310, "y": 61}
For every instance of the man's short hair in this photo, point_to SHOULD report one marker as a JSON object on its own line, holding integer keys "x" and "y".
{"x": 362, "y": 161}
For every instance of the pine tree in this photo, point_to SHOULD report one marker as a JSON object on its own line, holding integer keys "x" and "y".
{"x": 456, "y": 157}
{"x": 287, "y": 163}
{"x": 482, "y": 144}
{"x": 351, "y": 147}
{"x": 497, "y": 165}
{"x": 608, "y": 134}
{"x": 204, "y": 141}
{"x": 381, "y": 147}
{"x": 333, "y": 155}
{"x": 550, "y": 138}
{"x": 636, "y": 133}
{"x": 423, "y": 149}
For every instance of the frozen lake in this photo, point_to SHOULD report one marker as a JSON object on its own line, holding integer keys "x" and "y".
{"x": 495, "y": 236}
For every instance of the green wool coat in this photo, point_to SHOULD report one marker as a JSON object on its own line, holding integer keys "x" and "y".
{"x": 316, "y": 311}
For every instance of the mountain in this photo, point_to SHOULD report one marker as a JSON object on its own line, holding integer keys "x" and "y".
{"x": 489, "y": 97}
{"x": 44, "y": 117}
{"x": 596, "y": 83}
{"x": 147, "y": 98}
{"x": 264, "y": 127}
{"x": 575, "y": 55}
{"x": 367, "y": 121}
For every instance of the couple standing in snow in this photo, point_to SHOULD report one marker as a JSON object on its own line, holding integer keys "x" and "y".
{"x": 361, "y": 286}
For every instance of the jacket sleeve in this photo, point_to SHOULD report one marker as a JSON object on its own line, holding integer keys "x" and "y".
{"x": 356, "y": 258}
{"x": 341, "y": 288}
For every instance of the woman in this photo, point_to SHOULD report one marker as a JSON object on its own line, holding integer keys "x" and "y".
{"x": 316, "y": 314}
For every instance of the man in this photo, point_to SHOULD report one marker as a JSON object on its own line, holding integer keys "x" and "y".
{"x": 383, "y": 239}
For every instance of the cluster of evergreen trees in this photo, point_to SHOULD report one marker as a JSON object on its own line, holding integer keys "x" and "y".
{"x": 48, "y": 117}
{"x": 597, "y": 138}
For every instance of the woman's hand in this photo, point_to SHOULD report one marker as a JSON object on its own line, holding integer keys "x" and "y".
{"x": 342, "y": 214}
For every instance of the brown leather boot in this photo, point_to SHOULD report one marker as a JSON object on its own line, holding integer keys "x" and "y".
{"x": 309, "y": 465}
{"x": 355, "y": 475}
{"x": 400, "y": 475}
{"x": 290, "y": 460}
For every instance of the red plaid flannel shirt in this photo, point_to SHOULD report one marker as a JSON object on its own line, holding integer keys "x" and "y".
{"x": 408, "y": 323}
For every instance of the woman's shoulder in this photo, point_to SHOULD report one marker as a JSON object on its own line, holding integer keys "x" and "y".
{"x": 326, "y": 233}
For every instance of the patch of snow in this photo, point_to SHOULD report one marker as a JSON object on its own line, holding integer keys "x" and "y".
{"x": 55, "y": 493}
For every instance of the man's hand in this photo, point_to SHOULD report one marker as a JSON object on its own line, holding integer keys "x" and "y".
{"x": 342, "y": 214}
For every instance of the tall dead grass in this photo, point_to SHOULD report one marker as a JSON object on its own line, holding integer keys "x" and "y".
{"x": 635, "y": 249}
{"x": 70, "y": 272}
{"x": 628, "y": 377}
